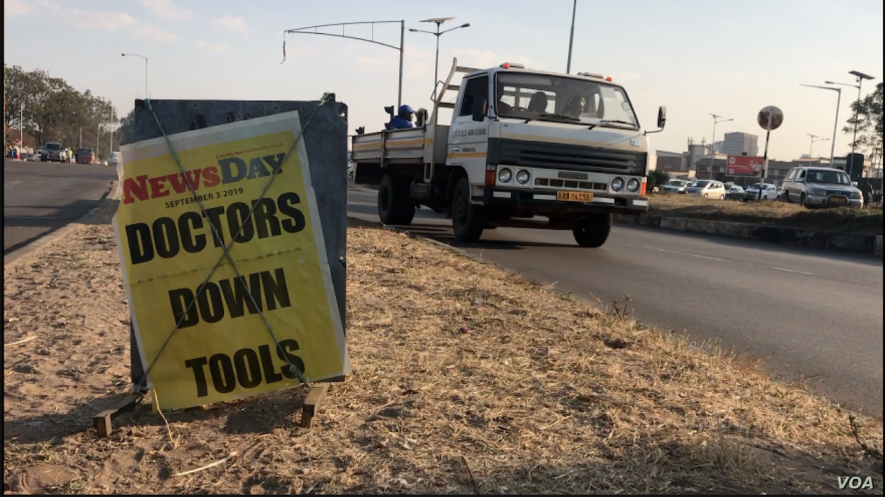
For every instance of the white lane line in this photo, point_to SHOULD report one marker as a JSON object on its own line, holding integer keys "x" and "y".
{"x": 687, "y": 253}
{"x": 790, "y": 270}
{"x": 11, "y": 184}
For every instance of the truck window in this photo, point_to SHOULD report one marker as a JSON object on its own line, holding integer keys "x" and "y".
{"x": 476, "y": 88}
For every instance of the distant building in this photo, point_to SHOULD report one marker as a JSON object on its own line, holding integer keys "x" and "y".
{"x": 671, "y": 162}
{"x": 740, "y": 144}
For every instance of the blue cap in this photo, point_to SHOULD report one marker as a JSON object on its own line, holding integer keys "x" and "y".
{"x": 406, "y": 108}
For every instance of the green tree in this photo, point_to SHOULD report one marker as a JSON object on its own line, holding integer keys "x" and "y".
{"x": 869, "y": 122}
{"x": 657, "y": 178}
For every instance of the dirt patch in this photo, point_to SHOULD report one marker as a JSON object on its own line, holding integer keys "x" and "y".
{"x": 769, "y": 213}
{"x": 467, "y": 379}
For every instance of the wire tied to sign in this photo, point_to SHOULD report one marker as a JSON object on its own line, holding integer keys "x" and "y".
{"x": 226, "y": 247}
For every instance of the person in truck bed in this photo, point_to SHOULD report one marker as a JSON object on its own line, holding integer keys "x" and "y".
{"x": 403, "y": 119}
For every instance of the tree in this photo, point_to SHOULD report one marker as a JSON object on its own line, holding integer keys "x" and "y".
{"x": 869, "y": 122}
{"x": 657, "y": 178}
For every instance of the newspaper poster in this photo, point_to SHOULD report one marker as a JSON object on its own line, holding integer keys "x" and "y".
{"x": 222, "y": 349}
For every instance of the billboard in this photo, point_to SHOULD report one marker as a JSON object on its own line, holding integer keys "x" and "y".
{"x": 742, "y": 165}
{"x": 252, "y": 194}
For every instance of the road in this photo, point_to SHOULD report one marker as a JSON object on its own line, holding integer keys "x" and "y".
{"x": 40, "y": 197}
{"x": 806, "y": 314}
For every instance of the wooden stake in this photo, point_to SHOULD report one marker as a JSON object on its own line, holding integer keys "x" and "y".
{"x": 312, "y": 403}
{"x": 102, "y": 420}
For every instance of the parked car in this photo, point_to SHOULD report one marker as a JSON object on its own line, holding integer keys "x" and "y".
{"x": 735, "y": 192}
{"x": 821, "y": 187}
{"x": 54, "y": 152}
{"x": 675, "y": 186}
{"x": 85, "y": 156}
{"x": 707, "y": 188}
{"x": 769, "y": 192}
{"x": 32, "y": 157}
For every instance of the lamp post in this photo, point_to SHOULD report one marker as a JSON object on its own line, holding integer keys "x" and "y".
{"x": 814, "y": 138}
{"x": 836, "y": 123}
{"x": 439, "y": 21}
{"x": 716, "y": 121}
{"x": 860, "y": 77}
{"x": 571, "y": 38}
{"x": 145, "y": 70}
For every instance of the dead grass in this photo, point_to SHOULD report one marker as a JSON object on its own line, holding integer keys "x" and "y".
{"x": 467, "y": 379}
{"x": 867, "y": 221}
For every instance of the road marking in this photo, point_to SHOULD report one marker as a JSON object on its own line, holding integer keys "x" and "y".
{"x": 790, "y": 270}
{"x": 687, "y": 253}
{"x": 11, "y": 184}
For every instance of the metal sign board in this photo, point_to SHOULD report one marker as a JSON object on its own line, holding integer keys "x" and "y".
{"x": 323, "y": 146}
{"x": 770, "y": 118}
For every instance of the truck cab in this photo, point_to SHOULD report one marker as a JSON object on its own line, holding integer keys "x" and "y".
{"x": 520, "y": 145}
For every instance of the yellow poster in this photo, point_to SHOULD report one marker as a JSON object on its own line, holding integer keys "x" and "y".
{"x": 222, "y": 348}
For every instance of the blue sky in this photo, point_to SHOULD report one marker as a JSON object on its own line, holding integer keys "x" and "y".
{"x": 726, "y": 57}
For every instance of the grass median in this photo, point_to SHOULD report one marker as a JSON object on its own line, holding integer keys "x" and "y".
{"x": 467, "y": 379}
{"x": 769, "y": 213}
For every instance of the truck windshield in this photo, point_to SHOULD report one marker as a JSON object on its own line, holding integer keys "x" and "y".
{"x": 584, "y": 101}
{"x": 828, "y": 177}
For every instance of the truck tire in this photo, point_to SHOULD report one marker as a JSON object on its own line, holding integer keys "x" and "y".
{"x": 395, "y": 206}
{"x": 593, "y": 230}
{"x": 468, "y": 220}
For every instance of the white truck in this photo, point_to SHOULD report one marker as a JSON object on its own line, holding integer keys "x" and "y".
{"x": 553, "y": 151}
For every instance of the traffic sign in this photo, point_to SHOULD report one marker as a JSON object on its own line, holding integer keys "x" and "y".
{"x": 770, "y": 118}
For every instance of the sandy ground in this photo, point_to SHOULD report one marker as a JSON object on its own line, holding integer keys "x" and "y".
{"x": 467, "y": 379}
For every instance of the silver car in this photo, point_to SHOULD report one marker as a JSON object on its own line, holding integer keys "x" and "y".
{"x": 821, "y": 187}
{"x": 675, "y": 186}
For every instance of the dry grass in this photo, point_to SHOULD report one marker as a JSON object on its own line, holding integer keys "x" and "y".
{"x": 867, "y": 221}
{"x": 466, "y": 379}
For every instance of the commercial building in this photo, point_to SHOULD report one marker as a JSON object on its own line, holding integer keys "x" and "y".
{"x": 740, "y": 144}
{"x": 672, "y": 162}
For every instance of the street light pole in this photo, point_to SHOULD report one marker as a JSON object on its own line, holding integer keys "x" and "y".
{"x": 836, "y": 123}
{"x": 439, "y": 21}
{"x": 814, "y": 138}
{"x": 145, "y": 70}
{"x": 713, "y": 141}
{"x": 860, "y": 77}
{"x": 571, "y": 38}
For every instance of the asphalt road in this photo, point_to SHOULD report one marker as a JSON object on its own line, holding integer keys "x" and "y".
{"x": 808, "y": 315}
{"x": 40, "y": 197}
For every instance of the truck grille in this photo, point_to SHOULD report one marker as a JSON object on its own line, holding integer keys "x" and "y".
{"x": 583, "y": 185}
{"x": 563, "y": 156}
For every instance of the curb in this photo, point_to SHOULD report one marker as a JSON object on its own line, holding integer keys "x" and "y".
{"x": 821, "y": 240}
{"x": 47, "y": 239}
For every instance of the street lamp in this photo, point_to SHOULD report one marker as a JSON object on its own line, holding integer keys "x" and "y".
{"x": 716, "y": 121}
{"x": 836, "y": 124}
{"x": 860, "y": 77}
{"x": 145, "y": 70}
{"x": 439, "y": 21}
{"x": 814, "y": 138}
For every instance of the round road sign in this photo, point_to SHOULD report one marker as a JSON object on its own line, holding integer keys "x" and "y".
{"x": 770, "y": 118}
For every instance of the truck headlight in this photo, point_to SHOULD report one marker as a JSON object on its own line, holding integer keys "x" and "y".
{"x": 855, "y": 195}
{"x": 523, "y": 176}
{"x": 633, "y": 185}
{"x": 618, "y": 184}
{"x": 817, "y": 192}
{"x": 505, "y": 175}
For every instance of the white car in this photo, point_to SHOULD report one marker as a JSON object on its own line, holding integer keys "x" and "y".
{"x": 707, "y": 188}
{"x": 769, "y": 192}
{"x": 675, "y": 186}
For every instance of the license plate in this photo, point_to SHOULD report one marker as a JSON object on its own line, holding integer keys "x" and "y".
{"x": 838, "y": 200}
{"x": 575, "y": 196}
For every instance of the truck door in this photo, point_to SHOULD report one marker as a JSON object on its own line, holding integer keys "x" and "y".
{"x": 468, "y": 139}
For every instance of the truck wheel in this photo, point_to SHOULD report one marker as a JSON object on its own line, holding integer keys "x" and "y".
{"x": 468, "y": 220}
{"x": 593, "y": 230}
{"x": 395, "y": 206}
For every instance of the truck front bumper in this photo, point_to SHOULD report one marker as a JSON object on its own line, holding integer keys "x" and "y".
{"x": 544, "y": 202}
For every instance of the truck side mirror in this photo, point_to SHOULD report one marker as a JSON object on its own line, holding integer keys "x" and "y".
{"x": 479, "y": 110}
{"x": 662, "y": 117}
